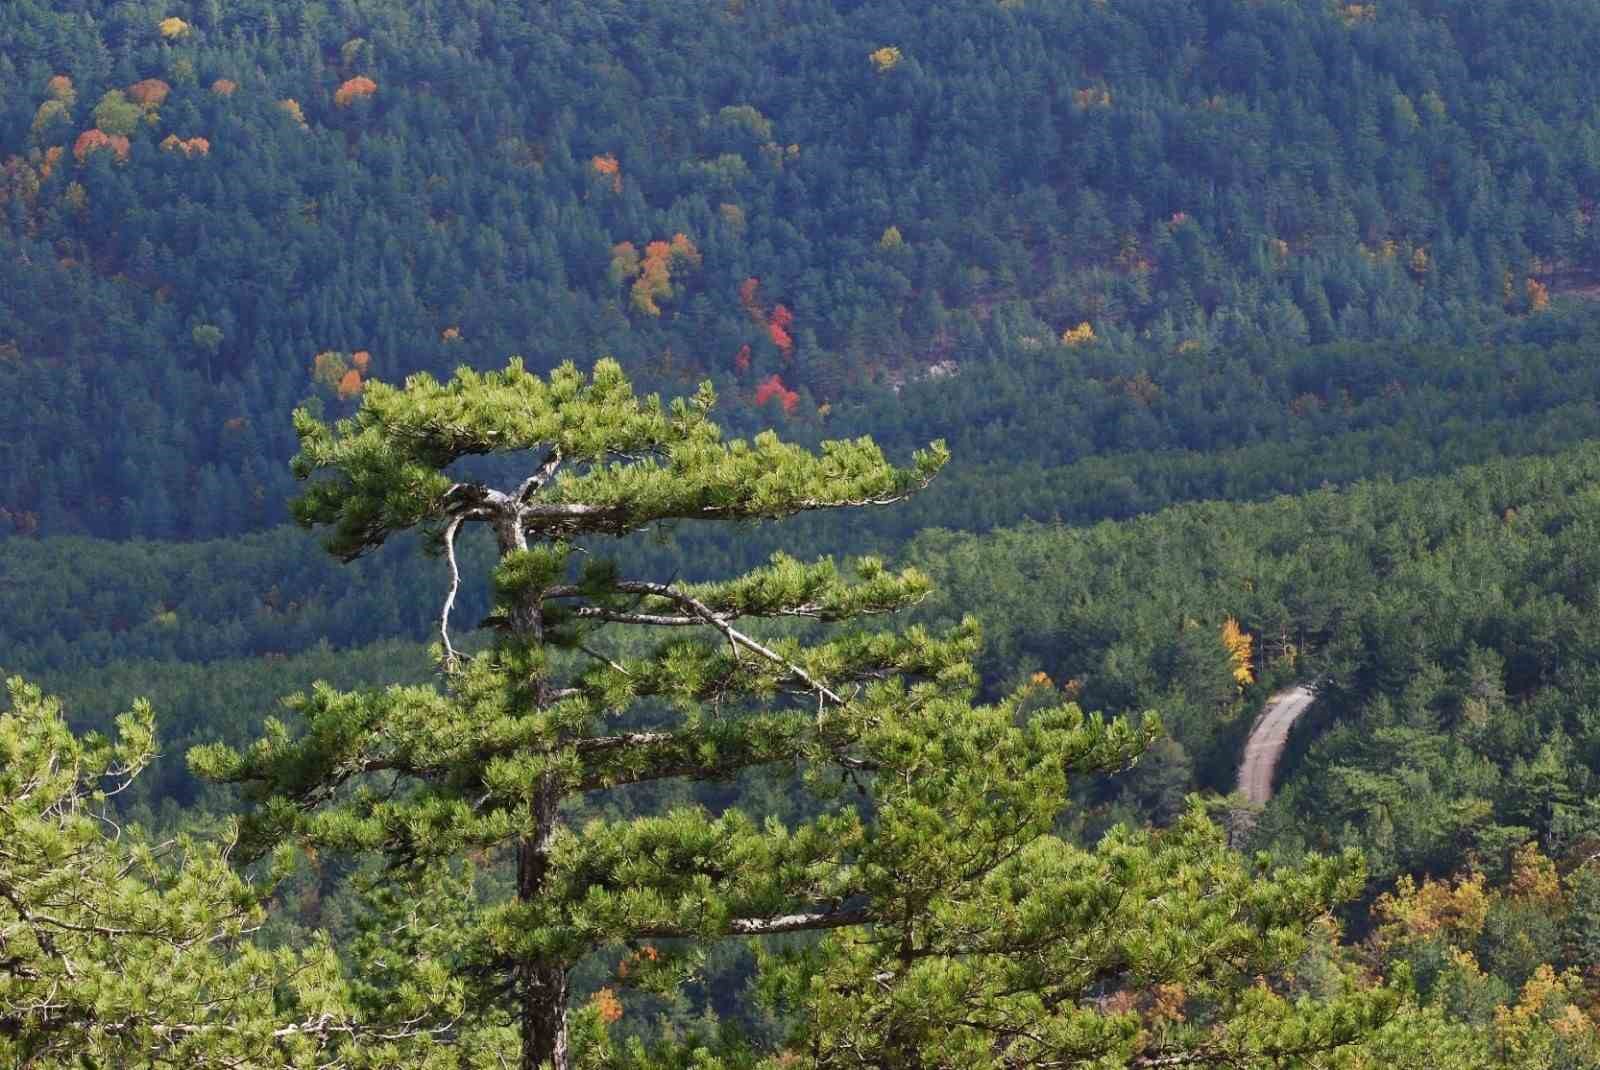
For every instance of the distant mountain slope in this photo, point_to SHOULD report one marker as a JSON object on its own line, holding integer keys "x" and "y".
{"x": 199, "y": 199}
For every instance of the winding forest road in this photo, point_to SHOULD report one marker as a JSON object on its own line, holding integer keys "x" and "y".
{"x": 1267, "y": 740}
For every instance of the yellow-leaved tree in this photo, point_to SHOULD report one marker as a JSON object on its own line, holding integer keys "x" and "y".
{"x": 1237, "y": 641}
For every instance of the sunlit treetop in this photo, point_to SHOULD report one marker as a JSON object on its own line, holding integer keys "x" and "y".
{"x": 620, "y": 462}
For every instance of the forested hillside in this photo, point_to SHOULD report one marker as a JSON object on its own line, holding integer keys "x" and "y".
{"x": 1262, "y": 339}
{"x": 219, "y": 210}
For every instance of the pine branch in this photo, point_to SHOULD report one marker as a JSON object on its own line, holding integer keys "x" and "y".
{"x": 541, "y": 476}
{"x": 773, "y": 926}
{"x": 698, "y": 613}
{"x": 450, "y": 656}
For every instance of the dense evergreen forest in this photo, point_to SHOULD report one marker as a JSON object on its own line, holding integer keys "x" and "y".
{"x": 809, "y": 202}
{"x": 1261, "y": 337}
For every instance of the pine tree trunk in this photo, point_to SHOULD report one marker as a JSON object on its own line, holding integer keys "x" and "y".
{"x": 543, "y": 984}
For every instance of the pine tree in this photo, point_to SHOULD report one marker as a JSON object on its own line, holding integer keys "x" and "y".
{"x": 964, "y": 931}
{"x": 117, "y": 950}
{"x": 489, "y": 761}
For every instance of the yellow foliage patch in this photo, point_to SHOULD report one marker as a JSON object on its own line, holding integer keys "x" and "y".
{"x": 885, "y": 59}
{"x": 1238, "y": 642}
{"x": 1533, "y": 876}
{"x": 1456, "y": 908}
{"x": 191, "y": 147}
{"x": 1538, "y": 296}
{"x": 1082, "y": 334}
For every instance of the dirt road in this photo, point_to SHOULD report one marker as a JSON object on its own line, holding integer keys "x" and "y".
{"x": 1267, "y": 740}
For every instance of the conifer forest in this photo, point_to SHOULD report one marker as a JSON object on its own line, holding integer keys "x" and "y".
{"x": 800, "y": 534}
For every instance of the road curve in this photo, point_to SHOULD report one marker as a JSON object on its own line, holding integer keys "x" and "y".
{"x": 1267, "y": 740}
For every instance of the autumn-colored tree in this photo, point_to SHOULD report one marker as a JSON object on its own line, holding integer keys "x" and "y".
{"x": 333, "y": 372}
{"x": 608, "y": 1006}
{"x": 653, "y": 282}
{"x": 681, "y": 248}
{"x": 1237, "y": 642}
{"x": 60, "y": 88}
{"x": 173, "y": 28}
{"x": 194, "y": 146}
{"x": 1082, "y": 334}
{"x": 772, "y": 387}
{"x": 224, "y": 87}
{"x": 749, "y": 300}
{"x": 52, "y": 113}
{"x": 149, "y": 94}
{"x": 292, "y": 106}
{"x": 1464, "y": 935}
{"x": 607, "y": 165}
{"x": 1538, "y": 296}
{"x": 95, "y": 139}
{"x": 741, "y": 359}
{"x": 778, "y": 328}
{"x": 57, "y": 109}
{"x": 885, "y": 59}
{"x": 19, "y": 181}
{"x": 354, "y": 89}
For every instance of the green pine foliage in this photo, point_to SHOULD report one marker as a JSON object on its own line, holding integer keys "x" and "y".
{"x": 117, "y": 949}
{"x": 929, "y": 847}
{"x": 1121, "y": 257}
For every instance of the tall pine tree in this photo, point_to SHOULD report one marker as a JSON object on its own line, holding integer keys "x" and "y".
{"x": 965, "y": 932}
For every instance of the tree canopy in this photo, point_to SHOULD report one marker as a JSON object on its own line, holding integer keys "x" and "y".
{"x": 951, "y": 946}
